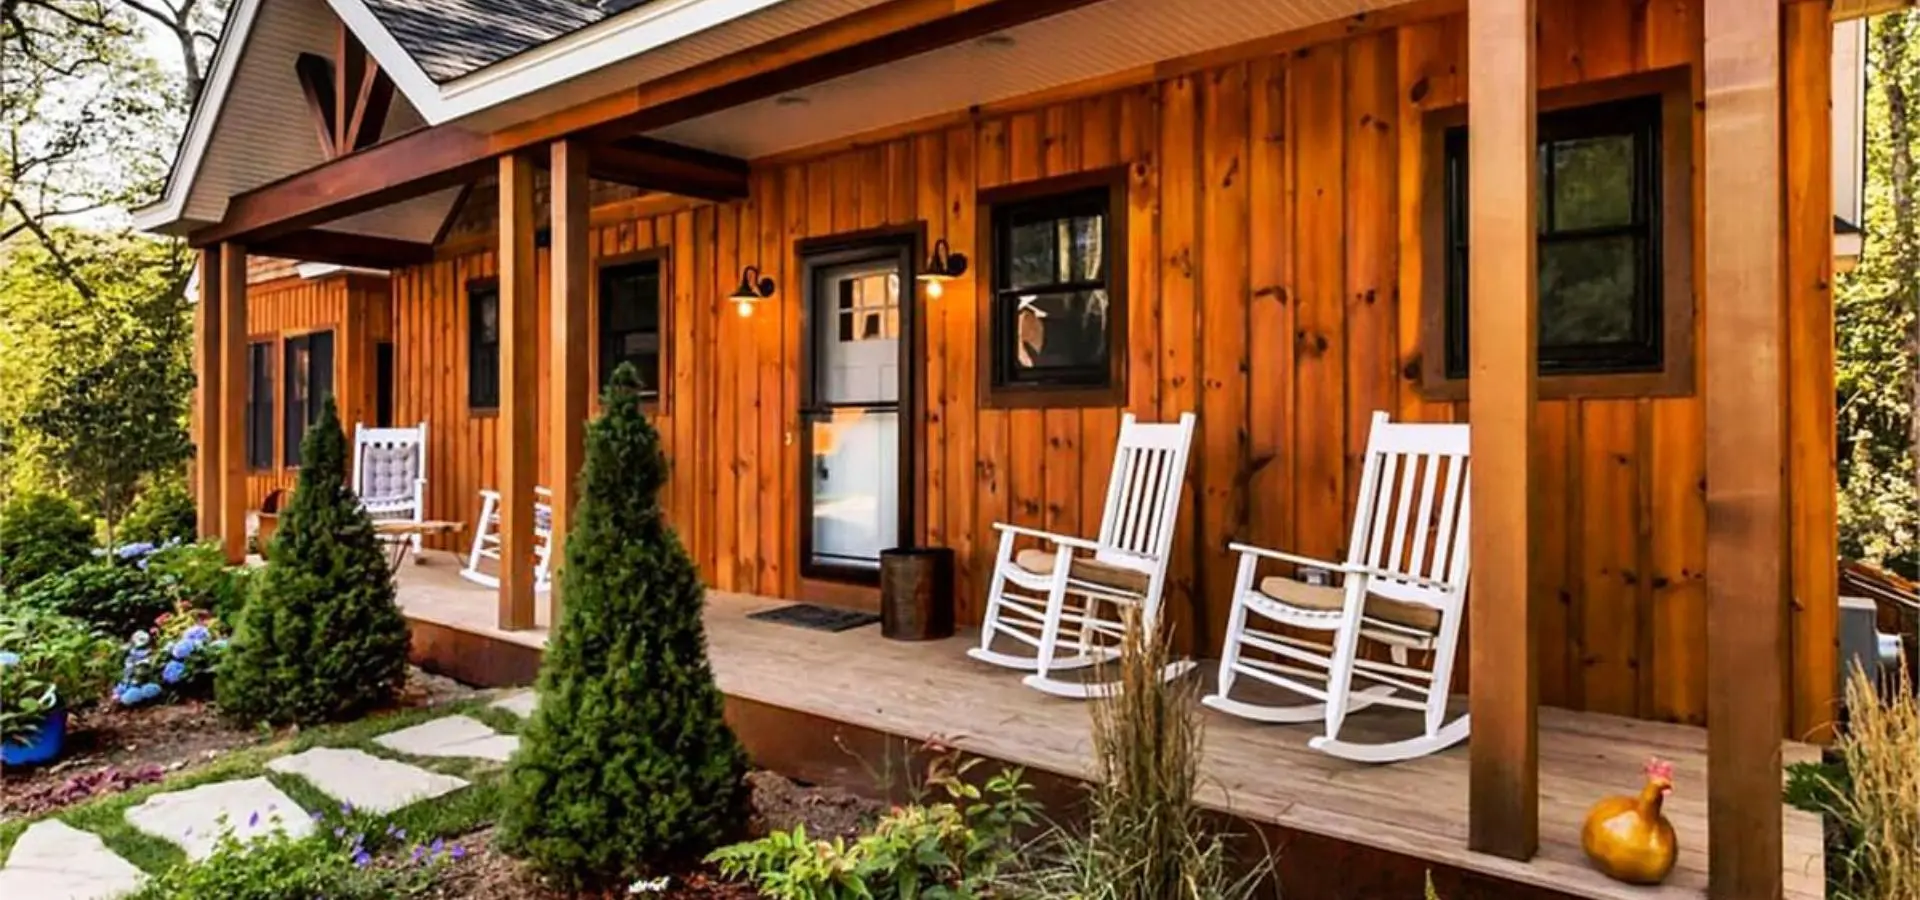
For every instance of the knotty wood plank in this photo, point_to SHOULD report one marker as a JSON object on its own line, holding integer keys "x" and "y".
{"x": 1607, "y": 569}
{"x": 1221, "y": 458}
{"x": 1100, "y": 148}
{"x": 1745, "y": 445}
{"x": 774, "y": 473}
{"x": 1318, "y": 87}
{"x": 1027, "y": 426}
{"x": 1061, "y": 494}
{"x": 961, "y": 307}
{"x": 993, "y": 466}
{"x": 570, "y": 343}
{"x": 1370, "y": 264}
{"x": 1504, "y": 809}
{"x": 519, "y": 295}
{"x": 208, "y": 339}
{"x": 932, "y": 347}
{"x": 684, "y": 399}
{"x": 230, "y": 412}
{"x": 1557, "y": 650}
{"x": 744, "y": 369}
{"x": 1270, "y": 374}
{"x": 1677, "y": 562}
{"x": 1179, "y": 366}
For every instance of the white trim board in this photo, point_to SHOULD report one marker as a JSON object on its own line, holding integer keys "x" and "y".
{"x": 165, "y": 212}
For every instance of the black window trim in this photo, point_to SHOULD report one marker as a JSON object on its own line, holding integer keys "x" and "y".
{"x": 661, "y": 258}
{"x": 290, "y": 439}
{"x": 260, "y": 430}
{"x": 478, "y": 402}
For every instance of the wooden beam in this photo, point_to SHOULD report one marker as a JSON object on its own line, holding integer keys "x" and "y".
{"x": 672, "y": 169}
{"x": 315, "y": 74}
{"x": 229, "y": 414}
{"x": 342, "y": 249}
{"x": 406, "y": 167}
{"x": 207, "y": 335}
{"x": 370, "y": 107}
{"x": 1504, "y": 806}
{"x": 519, "y": 302}
{"x": 349, "y": 68}
{"x": 1745, "y": 447}
{"x": 571, "y": 342}
{"x": 447, "y": 155}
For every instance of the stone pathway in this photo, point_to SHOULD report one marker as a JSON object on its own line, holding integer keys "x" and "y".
{"x": 453, "y": 736}
{"x": 55, "y": 861}
{"x": 368, "y": 782}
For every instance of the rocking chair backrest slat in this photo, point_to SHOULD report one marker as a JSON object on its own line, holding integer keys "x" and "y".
{"x": 1398, "y": 535}
{"x": 1143, "y": 493}
{"x": 368, "y": 440}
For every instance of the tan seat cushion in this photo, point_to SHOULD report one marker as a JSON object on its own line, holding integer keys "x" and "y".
{"x": 1085, "y": 568}
{"x": 1331, "y": 599}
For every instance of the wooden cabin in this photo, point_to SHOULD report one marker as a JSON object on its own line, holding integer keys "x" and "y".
{"x": 1253, "y": 210}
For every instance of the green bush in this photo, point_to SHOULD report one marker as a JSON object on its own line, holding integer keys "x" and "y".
{"x": 47, "y": 660}
{"x": 957, "y": 849}
{"x": 626, "y": 763}
{"x": 40, "y": 535}
{"x": 118, "y": 598}
{"x": 274, "y": 866}
{"x": 163, "y": 512}
{"x": 320, "y": 639}
{"x": 198, "y": 574}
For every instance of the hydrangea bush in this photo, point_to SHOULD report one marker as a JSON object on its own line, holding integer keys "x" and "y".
{"x": 47, "y": 661}
{"x": 174, "y": 660}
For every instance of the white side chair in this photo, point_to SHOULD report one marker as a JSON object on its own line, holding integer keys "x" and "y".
{"x": 390, "y": 474}
{"x": 1088, "y": 588}
{"x": 1402, "y": 588}
{"x": 486, "y": 539}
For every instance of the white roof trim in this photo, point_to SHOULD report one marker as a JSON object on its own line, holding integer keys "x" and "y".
{"x": 581, "y": 52}
{"x": 193, "y": 145}
{"x": 312, "y": 270}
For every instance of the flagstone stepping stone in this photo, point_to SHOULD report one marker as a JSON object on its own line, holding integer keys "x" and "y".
{"x": 364, "y": 780}
{"x": 193, "y": 818}
{"x": 520, "y": 703}
{"x": 55, "y": 861}
{"x": 452, "y": 736}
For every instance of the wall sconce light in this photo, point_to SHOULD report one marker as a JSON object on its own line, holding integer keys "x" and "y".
{"x": 753, "y": 288}
{"x": 943, "y": 266}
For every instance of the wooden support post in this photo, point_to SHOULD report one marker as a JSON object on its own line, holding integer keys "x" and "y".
{"x": 1504, "y": 807}
{"x": 230, "y": 413}
{"x": 518, "y": 379}
{"x": 207, "y": 334}
{"x": 571, "y": 344}
{"x": 1745, "y": 448}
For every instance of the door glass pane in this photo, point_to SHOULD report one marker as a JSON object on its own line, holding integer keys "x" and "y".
{"x": 856, "y": 481}
{"x": 858, "y": 347}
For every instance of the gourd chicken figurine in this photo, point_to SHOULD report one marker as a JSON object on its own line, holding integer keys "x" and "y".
{"x": 1627, "y": 837}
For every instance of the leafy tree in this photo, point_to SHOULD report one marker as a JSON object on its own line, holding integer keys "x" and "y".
{"x": 163, "y": 512}
{"x": 40, "y": 535}
{"x": 321, "y": 639}
{"x": 626, "y": 762}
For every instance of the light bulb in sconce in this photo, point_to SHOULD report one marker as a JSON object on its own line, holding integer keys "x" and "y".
{"x": 934, "y": 289}
{"x": 943, "y": 266}
{"x": 744, "y": 308}
{"x": 753, "y": 288}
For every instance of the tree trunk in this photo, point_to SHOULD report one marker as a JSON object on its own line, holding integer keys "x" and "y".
{"x": 1893, "y": 35}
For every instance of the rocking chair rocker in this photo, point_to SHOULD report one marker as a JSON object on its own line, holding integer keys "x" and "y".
{"x": 1403, "y": 588}
{"x": 1089, "y": 588}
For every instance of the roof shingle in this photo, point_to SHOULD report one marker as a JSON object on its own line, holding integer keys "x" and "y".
{"x": 453, "y": 38}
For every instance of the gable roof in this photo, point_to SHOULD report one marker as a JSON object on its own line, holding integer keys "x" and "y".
{"x": 451, "y": 38}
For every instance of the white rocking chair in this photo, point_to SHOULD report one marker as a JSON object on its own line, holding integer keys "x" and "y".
{"x": 390, "y": 475}
{"x": 1404, "y": 587}
{"x": 1106, "y": 579}
{"x": 486, "y": 539}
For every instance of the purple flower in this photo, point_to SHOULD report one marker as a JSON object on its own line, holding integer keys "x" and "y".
{"x": 318, "y": 816}
{"x": 346, "y": 809}
{"x": 340, "y": 831}
{"x": 418, "y": 852}
{"x": 361, "y": 859}
{"x": 253, "y": 821}
{"x": 457, "y": 852}
{"x": 438, "y": 845}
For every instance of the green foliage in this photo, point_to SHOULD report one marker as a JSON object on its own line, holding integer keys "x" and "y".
{"x": 46, "y": 660}
{"x": 1869, "y": 792}
{"x": 626, "y": 761}
{"x": 320, "y": 639}
{"x": 945, "y": 851}
{"x": 163, "y": 512}
{"x": 94, "y": 385}
{"x": 198, "y": 574}
{"x": 41, "y": 534}
{"x": 116, "y": 598}
{"x": 174, "y": 660}
{"x": 274, "y": 866}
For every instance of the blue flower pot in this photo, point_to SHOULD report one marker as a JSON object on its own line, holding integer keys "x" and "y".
{"x": 43, "y": 747}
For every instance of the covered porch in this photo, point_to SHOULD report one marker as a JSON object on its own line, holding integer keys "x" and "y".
{"x": 1386, "y": 822}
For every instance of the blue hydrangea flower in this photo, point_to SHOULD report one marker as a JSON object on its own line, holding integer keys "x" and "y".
{"x": 182, "y": 649}
{"x": 197, "y": 634}
{"x": 148, "y": 691}
{"x": 173, "y": 672}
{"x": 134, "y": 550}
{"x": 9, "y": 658}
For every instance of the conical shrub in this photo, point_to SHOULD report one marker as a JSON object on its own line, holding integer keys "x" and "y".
{"x": 321, "y": 639}
{"x": 627, "y": 762}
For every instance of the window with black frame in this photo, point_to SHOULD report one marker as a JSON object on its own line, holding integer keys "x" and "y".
{"x": 307, "y": 373}
{"x": 260, "y": 405}
{"x": 1053, "y": 316}
{"x": 630, "y": 322}
{"x": 483, "y": 345}
{"x": 1598, "y": 205}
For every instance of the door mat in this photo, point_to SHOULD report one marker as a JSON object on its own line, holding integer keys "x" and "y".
{"x": 816, "y": 617}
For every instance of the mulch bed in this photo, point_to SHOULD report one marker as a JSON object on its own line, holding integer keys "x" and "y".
{"x": 111, "y": 748}
{"x": 778, "y": 804}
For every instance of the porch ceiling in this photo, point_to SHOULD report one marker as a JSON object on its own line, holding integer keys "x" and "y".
{"x": 1098, "y": 40}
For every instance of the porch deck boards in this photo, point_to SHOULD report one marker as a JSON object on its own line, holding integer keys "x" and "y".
{"x": 1262, "y": 772}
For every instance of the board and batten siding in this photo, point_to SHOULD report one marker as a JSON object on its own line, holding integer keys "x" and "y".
{"x": 1274, "y": 264}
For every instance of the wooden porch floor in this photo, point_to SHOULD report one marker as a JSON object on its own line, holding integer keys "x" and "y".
{"x": 1260, "y": 772}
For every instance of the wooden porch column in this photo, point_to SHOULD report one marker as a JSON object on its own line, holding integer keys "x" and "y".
{"x": 1745, "y": 448}
{"x": 207, "y": 335}
{"x": 1504, "y": 806}
{"x": 518, "y": 379}
{"x": 229, "y": 414}
{"x": 571, "y": 344}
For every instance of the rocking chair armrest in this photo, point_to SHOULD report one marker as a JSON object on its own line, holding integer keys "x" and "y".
{"x": 1343, "y": 568}
{"x": 1049, "y": 537}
